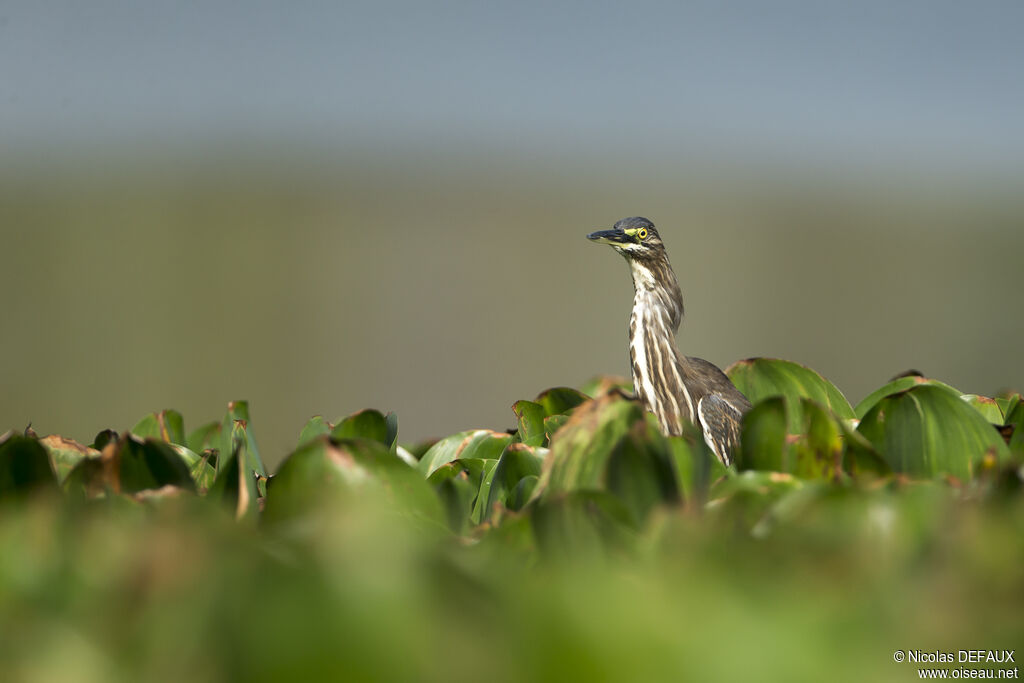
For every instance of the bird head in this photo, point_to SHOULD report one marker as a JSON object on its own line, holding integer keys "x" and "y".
{"x": 634, "y": 238}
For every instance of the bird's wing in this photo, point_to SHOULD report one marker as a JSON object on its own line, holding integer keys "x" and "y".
{"x": 720, "y": 422}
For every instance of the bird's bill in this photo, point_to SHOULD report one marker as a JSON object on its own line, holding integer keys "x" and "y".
{"x": 608, "y": 237}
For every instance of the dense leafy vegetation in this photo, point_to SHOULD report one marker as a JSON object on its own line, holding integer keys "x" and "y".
{"x": 580, "y": 544}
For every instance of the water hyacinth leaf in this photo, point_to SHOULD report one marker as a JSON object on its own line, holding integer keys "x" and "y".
{"x": 763, "y": 436}
{"x": 521, "y": 494}
{"x": 478, "y": 443}
{"x": 894, "y": 387}
{"x": 602, "y": 384}
{"x": 204, "y": 438}
{"x": 65, "y": 454}
{"x": 199, "y": 466}
{"x": 531, "y": 422}
{"x": 560, "y": 400}
{"x": 988, "y": 407}
{"x": 166, "y": 425}
{"x": 640, "y": 471}
{"x": 608, "y": 445}
{"x": 24, "y": 468}
{"x": 745, "y": 497}
{"x": 552, "y": 424}
{"x": 761, "y": 378}
{"x": 103, "y": 438}
{"x": 517, "y": 462}
{"x": 150, "y": 464}
{"x": 364, "y": 424}
{"x": 696, "y": 466}
{"x": 238, "y": 414}
{"x": 927, "y": 431}
{"x": 316, "y": 470}
{"x": 391, "y": 441}
{"x": 579, "y": 524}
{"x": 817, "y": 452}
{"x": 330, "y": 469}
{"x": 315, "y": 428}
{"x": 480, "y": 504}
{"x": 859, "y": 456}
{"x": 235, "y": 482}
{"x": 1015, "y": 420}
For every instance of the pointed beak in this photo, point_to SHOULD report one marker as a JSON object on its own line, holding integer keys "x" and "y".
{"x": 607, "y": 237}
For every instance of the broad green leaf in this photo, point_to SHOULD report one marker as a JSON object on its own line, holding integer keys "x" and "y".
{"x": 480, "y": 507}
{"x": 608, "y": 445}
{"x": 327, "y": 469}
{"x": 204, "y": 438}
{"x": 1015, "y": 421}
{"x": 478, "y": 443}
{"x": 235, "y": 483}
{"x": 927, "y": 430}
{"x": 238, "y": 413}
{"x": 602, "y": 384}
{"x": 103, "y": 438}
{"x": 150, "y": 464}
{"x": 391, "y": 441}
{"x": 761, "y": 378}
{"x": 65, "y": 454}
{"x": 199, "y": 467}
{"x": 364, "y": 424}
{"x": 859, "y": 456}
{"x": 763, "y": 437}
{"x": 531, "y": 422}
{"x": 988, "y": 407}
{"x": 517, "y": 462}
{"x": 24, "y": 468}
{"x": 581, "y": 524}
{"x": 166, "y": 425}
{"x": 894, "y": 387}
{"x": 130, "y": 465}
{"x": 315, "y": 428}
{"x": 552, "y": 424}
{"x": 560, "y": 400}
{"x": 696, "y": 465}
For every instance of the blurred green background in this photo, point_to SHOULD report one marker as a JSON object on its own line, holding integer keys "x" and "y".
{"x": 324, "y": 209}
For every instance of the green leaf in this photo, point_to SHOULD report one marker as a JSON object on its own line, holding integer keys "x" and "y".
{"x": 927, "y": 430}
{"x": 238, "y": 413}
{"x": 235, "y": 482}
{"x": 315, "y": 428}
{"x": 581, "y": 524}
{"x": 166, "y": 425}
{"x": 609, "y": 445}
{"x": 150, "y": 464}
{"x": 204, "y": 438}
{"x": 65, "y": 454}
{"x": 761, "y": 378}
{"x": 560, "y": 400}
{"x": 478, "y": 443}
{"x": 202, "y": 472}
{"x": 330, "y": 470}
{"x": 391, "y": 441}
{"x": 517, "y": 462}
{"x": 1015, "y": 419}
{"x": 602, "y": 384}
{"x": 480, "y": 506}
{"x": 696, "y": 465}
{"x": 988, "y": 407}
{"x": 531, "y": 422}
{"x": 894, "y": 387}
{"x": 763, "y": 437}
{"x": 552, "y": 424}
{"x": 364, "y": 424}
{"x": 24, "y": 468}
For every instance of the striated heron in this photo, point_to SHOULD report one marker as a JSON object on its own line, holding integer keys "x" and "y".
{"x": 672, "y": 386}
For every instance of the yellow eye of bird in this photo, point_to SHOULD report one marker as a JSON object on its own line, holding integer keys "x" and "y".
{"x": 642, "y": 234}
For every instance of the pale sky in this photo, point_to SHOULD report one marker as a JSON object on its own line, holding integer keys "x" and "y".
{"x": 882, "y": 80}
